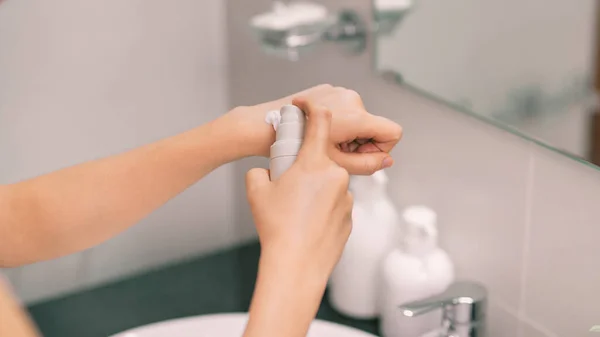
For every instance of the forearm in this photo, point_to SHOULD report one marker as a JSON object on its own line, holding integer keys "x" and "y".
{"x": 77, "y": 207}
{"x": 13, "y": 320}
{"x": 286, "y": 298}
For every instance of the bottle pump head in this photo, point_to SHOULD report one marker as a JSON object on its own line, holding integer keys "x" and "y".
{"x": 421, "y": 230}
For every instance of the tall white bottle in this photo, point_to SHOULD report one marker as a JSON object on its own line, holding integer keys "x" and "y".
{"x": 289, "y": 135}
{"x": 354, "y": 283}
{"x": 417, "y": 270}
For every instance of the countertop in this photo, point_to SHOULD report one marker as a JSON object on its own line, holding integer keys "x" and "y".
{"x": 217, "y": 283}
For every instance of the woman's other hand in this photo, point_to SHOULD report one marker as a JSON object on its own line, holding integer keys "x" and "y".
{"x": 359, "y": 141}
{"x": 303, "y": 221}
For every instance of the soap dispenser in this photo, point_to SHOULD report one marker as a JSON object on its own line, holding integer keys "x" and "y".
{"x": 289, "y": 135}
{"x": 417, "y": 270}
{"x": 354, "y": 283}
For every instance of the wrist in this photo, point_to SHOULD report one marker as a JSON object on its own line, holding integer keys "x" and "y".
{"x": 286, "y": 298}
{"x": 254, "y": 135}
{"x": 296, "y": 266}
{"x": 250, "y": 133}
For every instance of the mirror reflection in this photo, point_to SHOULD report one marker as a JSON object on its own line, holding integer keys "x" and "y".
{"x": 528, "y": 66}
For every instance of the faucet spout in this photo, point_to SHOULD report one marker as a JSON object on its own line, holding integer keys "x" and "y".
{"x": 464, "y": 309}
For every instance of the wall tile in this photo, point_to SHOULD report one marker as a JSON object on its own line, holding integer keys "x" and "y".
{"x": 49, "y": 279}
{"x": 562, "y": 268}
{"x": 501, "y": 322}
{"x": 528, "y": 330}
{"x": 475, "y": 177}
{"x": 83, "y": 80}
{"x": 11, "y": 275}
{"x": 192, "y": 224}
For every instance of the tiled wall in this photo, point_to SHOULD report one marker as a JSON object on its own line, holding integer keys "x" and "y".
{"x": 482, "y": 71}
{"x": 520, "y": 218}
{"x": 85, "y": 79}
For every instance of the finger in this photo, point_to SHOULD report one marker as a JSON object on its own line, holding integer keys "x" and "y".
{"x": 368, "y": 148}
{"x": 256, "y": 180}
{"x": 382, "y": 131}
{"x": 345, "y": 147}
{"x": 362, "y": 163}
{"x": 353, "y": 146}
{"x": 318, "y": 127}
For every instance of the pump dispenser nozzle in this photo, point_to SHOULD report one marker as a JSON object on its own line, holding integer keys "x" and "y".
{"x": 288, "y": 140}
{"x": 421, "y": 232}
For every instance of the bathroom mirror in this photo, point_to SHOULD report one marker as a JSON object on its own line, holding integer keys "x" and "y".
{"x": 527, "y": 66}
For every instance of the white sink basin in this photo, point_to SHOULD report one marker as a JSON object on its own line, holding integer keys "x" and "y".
{"x": 228, "y": 325}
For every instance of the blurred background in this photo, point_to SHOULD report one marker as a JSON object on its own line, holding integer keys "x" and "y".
{"x": 82, "y": 79}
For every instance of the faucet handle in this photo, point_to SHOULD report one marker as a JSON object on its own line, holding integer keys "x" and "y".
{"x": 462, "y": 303}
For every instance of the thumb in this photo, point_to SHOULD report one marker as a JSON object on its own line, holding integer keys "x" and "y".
{"x": 256, "y": 180}
{"x": 318, "y": 125}
{"x": 362, "y": 163}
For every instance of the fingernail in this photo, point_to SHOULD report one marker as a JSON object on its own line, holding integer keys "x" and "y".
{"x": 388, "y": 162}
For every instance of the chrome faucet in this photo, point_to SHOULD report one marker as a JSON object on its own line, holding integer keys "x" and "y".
{"x": 464, "y": 309}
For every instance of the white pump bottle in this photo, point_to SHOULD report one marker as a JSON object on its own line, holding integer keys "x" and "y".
{"x": 354, "y": 283}
{"x": 289, "y": 134}
{"x": 414, "y": 272}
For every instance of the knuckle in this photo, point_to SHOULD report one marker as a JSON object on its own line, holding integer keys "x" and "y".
{"x": 352, "y": 95}
{"x": 322, "y": 113}
{"x": 324, "y": 86}
{"x": 299, "y": 99}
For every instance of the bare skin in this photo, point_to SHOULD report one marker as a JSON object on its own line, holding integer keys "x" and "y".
{"x": 81, "y": 206}
{"x": 78, "y": 207}
{"x": 13, "y": 321}
{"x": 303, "y": 221}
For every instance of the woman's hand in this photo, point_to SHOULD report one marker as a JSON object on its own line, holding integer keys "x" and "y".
{"x": 359, "y": 141}
{"x": 303, "y": 221}
{"x": 305, "y": 214}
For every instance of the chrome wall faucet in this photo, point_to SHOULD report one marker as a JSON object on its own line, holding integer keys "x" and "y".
{"x": 464, "y": 306}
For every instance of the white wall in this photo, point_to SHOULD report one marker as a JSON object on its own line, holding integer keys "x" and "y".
{"x": 520, "y": 218}
{"x": 81, "y": 79}
{"x": 483, "y": 52}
